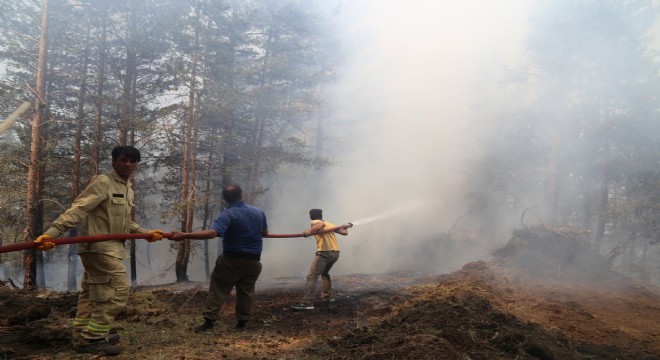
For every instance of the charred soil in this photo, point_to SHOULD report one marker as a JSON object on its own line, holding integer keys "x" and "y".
{"x": 564, "y": 305}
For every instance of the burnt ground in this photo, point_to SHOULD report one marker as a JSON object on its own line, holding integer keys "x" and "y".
{"x": 563, "y": 304}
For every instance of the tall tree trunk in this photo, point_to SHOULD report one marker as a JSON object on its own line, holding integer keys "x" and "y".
{"x": 588, "y": 187}
{"x": 131, "y": 65}
{"x": 587, "y": 205}
{"x": 38, "y": 224}
{"x": 32, "y": 194}
{"x": 631, "y": 263}
{"x": 133, "y": 259}
{"x": 193, "y": 168}
{"x": 228, "y": 139}
{"x": 183, "y": 253}
{"x": 603, "y": 201}
{"x": 260, "y": 126}
{"x": 39, "y": 215}
{"x": 127, "y": 112}
{"x": 100, "y": 77}
{"x": 318, "y": 153}
{"x": 72, "y": 259}
{"x": 552, "y": 183}
{"x": 253, "y": 173}
{"x": 644, "y": 271}
{"x": 207, "y": 212}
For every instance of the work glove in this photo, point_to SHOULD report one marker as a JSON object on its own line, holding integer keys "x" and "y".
{"x": 155, "y": 235}
{"x": 43, "y": 243}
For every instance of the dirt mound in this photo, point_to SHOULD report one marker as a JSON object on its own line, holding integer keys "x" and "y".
{"x": 453, "y": 320}
{"x": 34, "y": 322}
{"x": 554, "y": 252}
{"x": 476, "y": 313}
{"x": 546, "y": 295}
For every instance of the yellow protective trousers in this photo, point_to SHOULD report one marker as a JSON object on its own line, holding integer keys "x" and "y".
{"x": 104, "y": 294}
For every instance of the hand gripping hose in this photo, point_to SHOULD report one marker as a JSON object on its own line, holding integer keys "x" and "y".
{"x": 96, "y": 238}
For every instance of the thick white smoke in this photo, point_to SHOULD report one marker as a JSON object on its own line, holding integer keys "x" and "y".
{"x": 402, "y": 130}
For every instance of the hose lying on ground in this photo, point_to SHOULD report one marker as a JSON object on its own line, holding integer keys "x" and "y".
{"x": 96, "y": 238}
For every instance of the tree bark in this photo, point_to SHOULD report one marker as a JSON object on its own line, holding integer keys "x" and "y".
{"x": 207, "y": 213}
{"x": 187, "y": 185}
{"x": 260, "y": 127}
{"x": 131, "y": 65}
{"x": 603, "y": 201}
{"x": 316, "y": 180}
{"x": 552, "y": 183}
{"x": 228, "y": 138}
{"x": 193, "y": 168}
{"x": 100, "y": 76}
{"x": 32, "y": 196}
{"x": 72, "y": 261}
{"x": 132, "y": 248}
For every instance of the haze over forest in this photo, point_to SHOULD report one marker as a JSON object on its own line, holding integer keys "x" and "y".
{"x": 436, "y": 127}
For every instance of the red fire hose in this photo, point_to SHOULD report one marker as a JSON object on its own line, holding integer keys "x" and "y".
{"x": 316, "y": 233}
{"x": 78, "y": 239}
{"x": 96, "y": 238}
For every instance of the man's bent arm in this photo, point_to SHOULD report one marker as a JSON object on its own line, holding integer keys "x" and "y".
{"x": 314, "y": 229}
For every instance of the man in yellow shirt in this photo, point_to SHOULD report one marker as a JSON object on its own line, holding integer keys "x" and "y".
{"x": 327, "y": 254}
{"x": 104, "y": 207}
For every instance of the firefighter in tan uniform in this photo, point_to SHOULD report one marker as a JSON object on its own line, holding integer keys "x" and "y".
{"x": 104, "y": 207}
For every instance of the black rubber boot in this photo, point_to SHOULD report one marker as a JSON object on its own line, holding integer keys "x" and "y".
{"x": 206, "y": 327}
{"x": 113, "y": 339}
{"x": 240, "y": 325}
{"x": 100, "y": 347}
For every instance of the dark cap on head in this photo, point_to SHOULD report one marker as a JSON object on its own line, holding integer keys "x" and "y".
{"x": 316, "y": 214}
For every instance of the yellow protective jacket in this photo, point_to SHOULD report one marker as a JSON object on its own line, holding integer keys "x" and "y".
{"x": 104, "y": 207}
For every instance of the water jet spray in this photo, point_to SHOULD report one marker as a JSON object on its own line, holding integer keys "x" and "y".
{"x": 386, "y": 214}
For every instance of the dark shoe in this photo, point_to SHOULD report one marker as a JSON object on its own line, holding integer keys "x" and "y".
{"x": 113, "y": 338}
{"x": 100, "y": 347}
{"x": 206, "y": 327}
{"x": 302, "y": 307}
{"x": 329, "y": 299}
{"x": 240, "y": 325}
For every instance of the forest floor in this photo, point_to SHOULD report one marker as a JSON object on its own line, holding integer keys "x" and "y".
{"x": 507, "y": 308}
